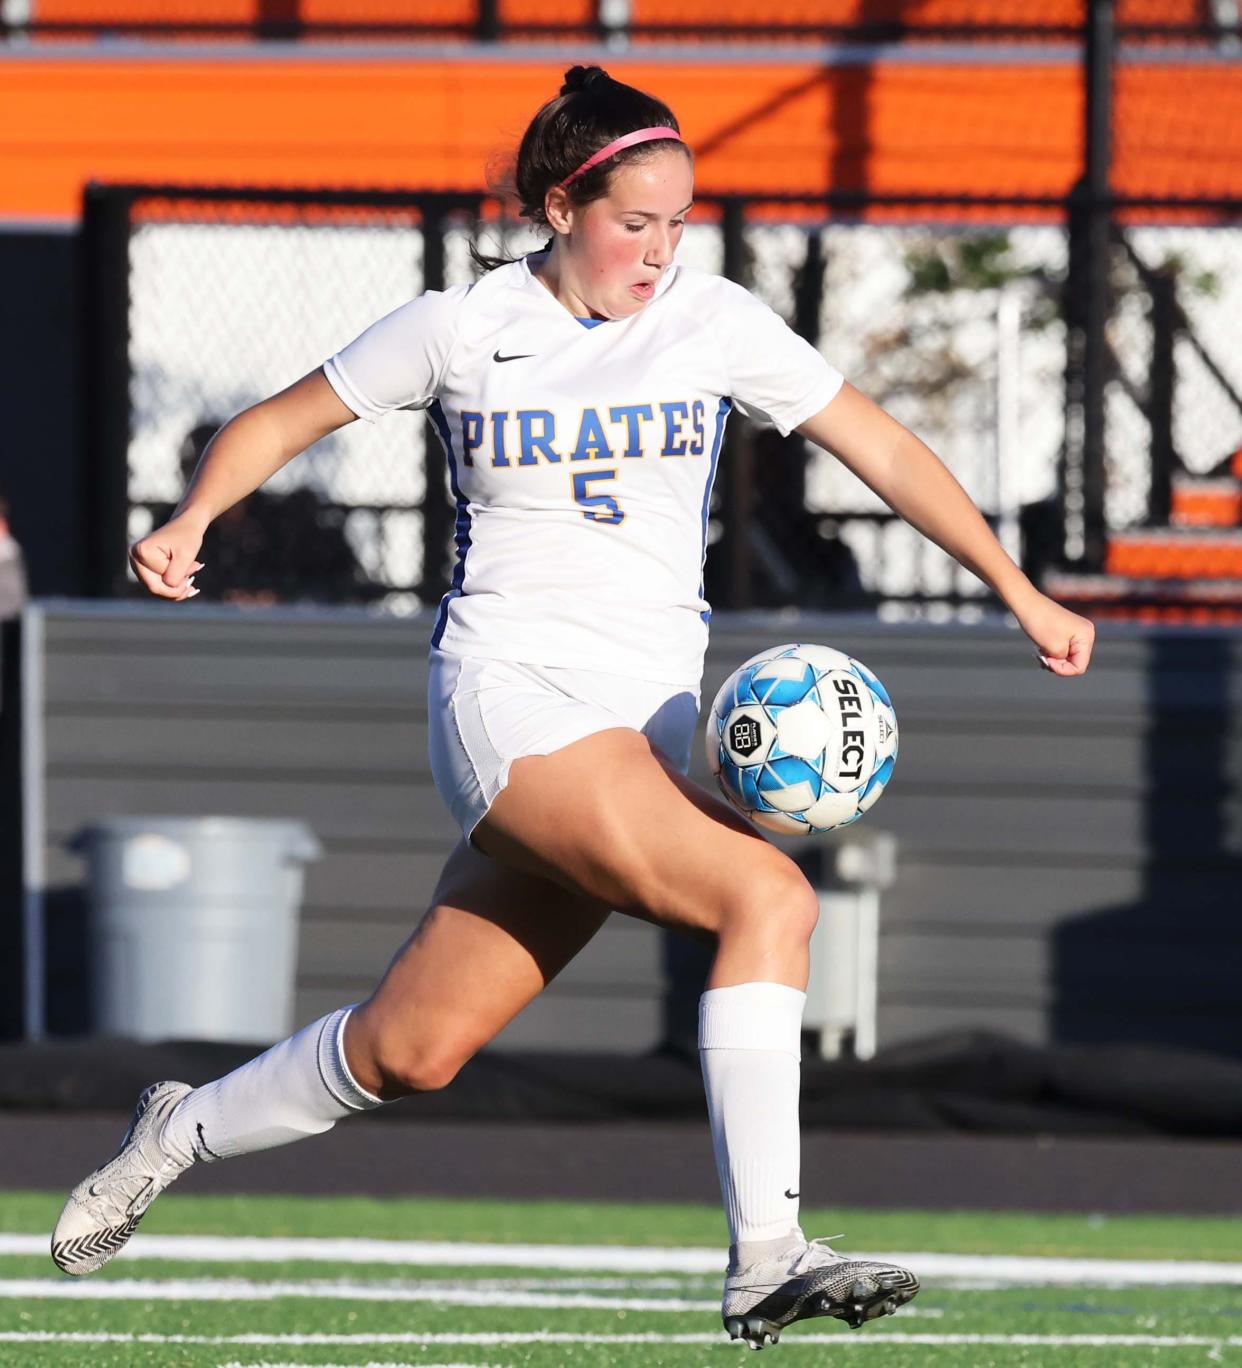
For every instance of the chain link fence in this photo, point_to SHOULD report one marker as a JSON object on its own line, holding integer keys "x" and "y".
{"x": 1209, "y": 22}
{"x": 1149, "y": 22}
{"x": 950, "y": 315}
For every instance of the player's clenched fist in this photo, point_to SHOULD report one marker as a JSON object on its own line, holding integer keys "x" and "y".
{"x": 1064, "y": 639}
{"x": 164, "y": 560}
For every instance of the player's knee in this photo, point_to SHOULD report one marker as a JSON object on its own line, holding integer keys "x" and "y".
{"x": 407, "y": 1070}
{"x": 775, "y": 902}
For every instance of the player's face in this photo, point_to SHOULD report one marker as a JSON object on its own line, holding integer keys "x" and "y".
{"x": 621, "y": 245}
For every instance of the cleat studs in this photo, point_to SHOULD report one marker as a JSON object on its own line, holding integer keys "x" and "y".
{"x": 753, "y": 1330}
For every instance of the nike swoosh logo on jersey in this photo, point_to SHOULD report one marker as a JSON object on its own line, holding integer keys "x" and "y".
{"x": 523, "y": 356}
{"x": 792, "y": 1195}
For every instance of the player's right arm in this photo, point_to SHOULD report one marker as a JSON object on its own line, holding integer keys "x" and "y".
{"x": 248, "y": 450}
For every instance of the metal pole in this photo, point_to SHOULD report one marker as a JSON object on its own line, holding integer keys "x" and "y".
{"x": 1086, "y": 306}
{"x": 489, "y": 21}
{"x": 1099, "y": 56}
{"x": 737, "y": 456}
{"x": 1163, "y": 286}
{"x": 612, "y": 23}
{"x": 438, "y": 513}
{"x": 105, "y": 382}
{"x": 278, "y": 20}
{"x": 34, "y": 825}
{"x": 1008, "y": 441}
{"x": 809, "y": 288}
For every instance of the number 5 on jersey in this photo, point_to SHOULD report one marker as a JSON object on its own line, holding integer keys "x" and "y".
{"x": 594, "y": 505}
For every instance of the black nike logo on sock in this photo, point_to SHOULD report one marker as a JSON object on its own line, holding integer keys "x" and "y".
{"x": 790, "y": 1195}
{"x": 523, "y": 356}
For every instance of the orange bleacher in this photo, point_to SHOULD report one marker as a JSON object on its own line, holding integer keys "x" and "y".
{"x": 420, "y": 13}
{"x": 1206, "y": 503}
{"x": 913, "y": 15}
{"x": 1173, "y": 553}
{"x": 791, "y": 126}
{"x": 910, "y": 14}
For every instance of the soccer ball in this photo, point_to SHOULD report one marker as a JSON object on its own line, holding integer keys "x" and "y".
{"x": 802, "y": 738}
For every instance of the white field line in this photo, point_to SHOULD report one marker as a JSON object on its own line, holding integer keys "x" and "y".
{"x": 840, "y": 1340}
{"x": 410, "y": 1253}
{"x": 996, "y": 1270}
{"x": 242, "y": 1289}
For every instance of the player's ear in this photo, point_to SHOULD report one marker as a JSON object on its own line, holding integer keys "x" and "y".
{"x": 559, "y": 209}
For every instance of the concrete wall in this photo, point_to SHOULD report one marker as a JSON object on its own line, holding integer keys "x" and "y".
{"x": 1069, "y": 852}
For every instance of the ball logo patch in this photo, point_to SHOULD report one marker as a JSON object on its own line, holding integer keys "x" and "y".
{"x": 744, "y": 735}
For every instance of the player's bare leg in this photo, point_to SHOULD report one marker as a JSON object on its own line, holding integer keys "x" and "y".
{"x": 491, "y": 941}
{"x": 651, "y": 843}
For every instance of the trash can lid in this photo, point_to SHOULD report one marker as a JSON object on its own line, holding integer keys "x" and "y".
{"x": 295, "y": 834}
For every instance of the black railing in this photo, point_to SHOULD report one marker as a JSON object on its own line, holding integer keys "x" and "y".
{"x": 775, "y": 540}
{"x": 485, "y": 21}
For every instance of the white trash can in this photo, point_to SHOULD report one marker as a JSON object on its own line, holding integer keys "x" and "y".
{"x": 194, "y": 925}
{"x": 842, "y": 991}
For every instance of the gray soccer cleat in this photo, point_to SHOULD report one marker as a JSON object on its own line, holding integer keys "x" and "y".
{"x": 104, "y": 1209}
{"x": 809, "y": 1279}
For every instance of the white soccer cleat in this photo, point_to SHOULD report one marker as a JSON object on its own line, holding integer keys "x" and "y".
{"x": 809, "y": 1279}
{"x": 104, "y": 1209}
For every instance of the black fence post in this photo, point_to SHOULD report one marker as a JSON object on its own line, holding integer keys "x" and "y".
{"x": 279, "y": 21}
{"x": 735, "y": 476}
{"x": 1088, "y": 305}
{"x": 439, "y": 515}
{"x": 809, "y": 288}
{"x": 13, "y": 958}
{"x": 1164, "y": 323}
{"x": 488, "y": 27}
{"x": 1100, "y": 54}
{"x": 105, "y": 383}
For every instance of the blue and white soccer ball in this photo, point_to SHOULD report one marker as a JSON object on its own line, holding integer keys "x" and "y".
{"x": 802, "y": 738}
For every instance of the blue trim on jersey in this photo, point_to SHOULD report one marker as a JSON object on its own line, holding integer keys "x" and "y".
{"x": 461, "y": 534}
{"x": 722, "y": 415}
{"x": 591, "y": 322}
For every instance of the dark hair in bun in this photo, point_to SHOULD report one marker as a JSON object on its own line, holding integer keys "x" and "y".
{"x": 583, "y": 78}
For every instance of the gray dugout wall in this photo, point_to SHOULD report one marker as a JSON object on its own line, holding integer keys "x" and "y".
{"x": 1069, "y": 852}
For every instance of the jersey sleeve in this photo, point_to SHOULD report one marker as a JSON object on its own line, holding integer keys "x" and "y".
{"x": 776, "y": 377}
{"x": 398, "y": 362}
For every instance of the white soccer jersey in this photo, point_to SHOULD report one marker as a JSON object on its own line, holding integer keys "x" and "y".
{"x": 582, "y": 457}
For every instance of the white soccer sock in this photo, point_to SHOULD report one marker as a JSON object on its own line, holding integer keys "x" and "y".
{"x": 750, "y": 1046}
{"x": 302, "y": 1086}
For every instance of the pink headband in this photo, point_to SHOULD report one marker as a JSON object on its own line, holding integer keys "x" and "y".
{"x": 619, "y": 145}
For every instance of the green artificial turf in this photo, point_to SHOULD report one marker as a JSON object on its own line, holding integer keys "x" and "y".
{"x": 430, "y": 1309}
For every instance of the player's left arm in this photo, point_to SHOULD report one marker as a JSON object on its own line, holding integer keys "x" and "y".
{"x": 915, "y": 484}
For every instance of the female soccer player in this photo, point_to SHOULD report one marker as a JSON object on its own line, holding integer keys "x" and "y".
{"x": 581, "y": 395}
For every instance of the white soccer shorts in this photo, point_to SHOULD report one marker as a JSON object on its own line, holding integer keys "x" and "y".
{"x": 485, "y": 714}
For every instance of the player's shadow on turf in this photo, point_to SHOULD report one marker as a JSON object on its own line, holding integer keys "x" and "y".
{"x": 1163, "y": 969}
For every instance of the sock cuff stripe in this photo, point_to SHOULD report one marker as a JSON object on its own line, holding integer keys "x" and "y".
{"x": 752, "y": 1016}
{"x": 334, "y": 1072}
